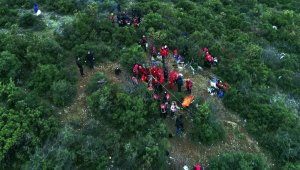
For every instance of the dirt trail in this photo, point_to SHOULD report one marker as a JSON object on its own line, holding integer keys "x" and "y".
{"x": 78, "y": 111}
{"x": 184, "y": 151}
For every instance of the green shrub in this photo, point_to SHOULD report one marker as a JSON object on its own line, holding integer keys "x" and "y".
{"x": 44, "y": 50}
{"x": 238, "y": 160}
{"x": 43, "y": 77}
{"x": 66, "y": 6}
{"x": 10, "y": 66}
{"x": 205, "y": 129}
{"x": 97, "y": 82}
{"x": 28, "y": 20}
{"x": 62, "y": 92}
{"x": 125, "y": 37}
{"x": 291, "y": 166}
{"x": 8, "y": 16}
{"x": 130, "y": 56}
{"x": 100, "y": 101}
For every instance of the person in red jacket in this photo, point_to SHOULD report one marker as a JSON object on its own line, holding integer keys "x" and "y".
{"x": 156, "y": 97}
{"x": 172, "y": 79}
{"x": 166, "y": 97}
{"x": 209, "y": 58}
{"x": 167, "y": 49}
{"x": 150, "y": 88}
{"x": 161, "y": 79}
{"x": 144, "y": 78}
{"x": 189, "y": 85}
{"x": 163, "y": 53}
{"x": 154, "y": 71}
{"x": 205, "y": 50}
{"x": 163, "y": 109}
{"x": 197, "y": 167}
{"x": 154, "y": 52}
{"x": 221, "y": 85}
{"x": 112, "y": 17}
{"x": 155, "y": 84}
{"x": 135, "y": 70}
{"x": 140, "y": 71}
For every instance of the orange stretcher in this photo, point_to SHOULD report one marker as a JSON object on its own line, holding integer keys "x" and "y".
{"x": 187, "y": 101}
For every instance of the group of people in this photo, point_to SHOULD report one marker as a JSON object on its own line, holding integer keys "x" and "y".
{"x": 89, "y": 59}
{"x": 124, "y": 19}
{"x": 217, "y": 87}
{"x": 209, "y": 59}
{"x": 156, "y": 78}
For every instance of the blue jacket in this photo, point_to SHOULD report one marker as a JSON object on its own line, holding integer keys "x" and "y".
{"x": 35, "y": 8}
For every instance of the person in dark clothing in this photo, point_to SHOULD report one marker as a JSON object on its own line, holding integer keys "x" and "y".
{"x": 118, "y": 9}
{"x": 136, "y": 21}
{"x": 179, "y": 124}
{"x": 166, "y": 74}
{"x": 160, "y": 88}
{"x": 90, "y": 60}
{"x": 156, "y": 85}
{"x": 179, "y": 82}
{"x": 125, "y": 19}
{"x": 166, "y": 97}
{"x": 79, "y": 65}
{"x": 118, "y": 71}
{"x": 143, "y": 43}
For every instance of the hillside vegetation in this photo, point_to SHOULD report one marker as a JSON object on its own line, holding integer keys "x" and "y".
{"x": 43, "y": 97}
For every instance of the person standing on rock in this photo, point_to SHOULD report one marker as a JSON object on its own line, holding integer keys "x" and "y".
{"x": 90, "y": 60}
{"x": 79, "y": 65}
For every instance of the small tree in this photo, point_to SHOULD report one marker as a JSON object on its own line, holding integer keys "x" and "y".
{"x": 43, "y": 77}
{"x": 10, "y": 66}
{"x": 205, "y": 130}
{"x": 28, "y": 20}
{"x": 62, "y": 92}
{"x": 132, "y": 55}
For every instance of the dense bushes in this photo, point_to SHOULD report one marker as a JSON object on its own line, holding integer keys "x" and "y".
{"x": 8, "y": 16}
{"x": 239, "y": 160}
{"x": 23, "y": 125}
{"x": 206, "y": 130}
{"x": 130, "y": 56}
{"x": 62, "y": 92}
{"x": 10, "y": 66}
{"x": 28, "y": 20}
{"x": 238, "y": 32}
{"x": 145, "y": 134}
